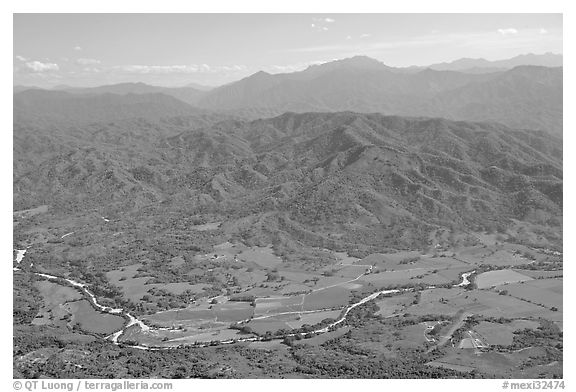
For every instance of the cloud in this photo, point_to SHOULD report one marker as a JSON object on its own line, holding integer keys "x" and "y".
{"x": 21, "y": 58}
{"x": 293, "y": 67}
{"x": 525, "y": 41}
{"x": 175, "y": 69}
{"x": 77, "y": 48}
{"x": 91, "y": 69}
{"x": 508, "y": 31}
{"x": 543, "y": 31}
{"x": 324, "y": 20}
{"x": 348, "y": 37}
{"x": 37, "y": 66}
{"x": 319, "y": 24}
{"x": 84, "y": 61}
{"x": 365, "y": 35}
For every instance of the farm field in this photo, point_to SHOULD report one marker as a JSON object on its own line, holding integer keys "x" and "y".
{"x": 541, "y": 274}
{"x": 134, "y": 288}
{"x": 327, "y": 298}
{"x": 227, "y": 312}
{"x": 91, "y": 320}
{"x": 54, "y": 297}
{"x": 547, "y": 292}
{"x": 502, "y": 334}
{"x": 497, "y": 255}
{"x": 390, "y": 305}
{"x": 391, "y": 278}
{"x": 501, "y": 365}
{"x": 323, "y": 338}
{"x": 262, "y": 256}
{"x": 487, "y": 303}
{"x": 499, "y": 277}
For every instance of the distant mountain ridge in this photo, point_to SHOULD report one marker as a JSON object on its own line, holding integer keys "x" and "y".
{"x": 365, "y": 85}
{"x": 520, "y": 96}
{"x": 45, "y": 106}
{"x": 482, "y": 65}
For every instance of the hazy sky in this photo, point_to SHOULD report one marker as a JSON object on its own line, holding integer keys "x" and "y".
{"x": 212, "y": 49}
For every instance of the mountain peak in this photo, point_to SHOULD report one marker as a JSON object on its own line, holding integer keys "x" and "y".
{"x": 260, "y": 74}
{"x": 356, "y": 62}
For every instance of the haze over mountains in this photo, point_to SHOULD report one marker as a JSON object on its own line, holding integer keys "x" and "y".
{"x": 480, "y": 65}
{"x": 130, "y": 144}
{"x": 522, "y": 96}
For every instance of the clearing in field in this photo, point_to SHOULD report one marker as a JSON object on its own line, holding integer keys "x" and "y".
{"x": 499, "y": 277}
{"x": 537, "y": 274}
{"x": 333, "y": 297}
{"x": 263, "y": 256}
{"x": 265, "y": 306}
{"x": 323, "y": 338}
{"x": 393, "y": 278}
{"x": 546, "y": 292}
{"x": 135, "y": 288}
{"x": 91, "y": 320}
{"x": 487, "y": 303}
{"x": 313, "y": 318}
{"x": 54, "y": 296}
{"x": 502, "y": 334}
{"x": 344, "y": 259}
{"x": 391, "y": 305}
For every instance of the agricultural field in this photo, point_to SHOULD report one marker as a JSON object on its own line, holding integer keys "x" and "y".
{"x": 539, "y": 274}
{"x": 502, "y": 333}
{"x": 262, "y": 256}
{"x": 135, "y": 288}
{"x": 546, "y": 292}
{"x": 91, "y": 320}
{"x": 54, "y": 296}
{"x": 502, "y": 365}
{"x": 486, "y": 303}
{"x": 390, "y": 306}
{"x": 499, "y": 277}
{"x": 496, "y": 255}
{"x": 227, "y": 290}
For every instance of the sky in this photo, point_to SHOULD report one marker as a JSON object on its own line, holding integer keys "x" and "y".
{"x": 214, "y": 49}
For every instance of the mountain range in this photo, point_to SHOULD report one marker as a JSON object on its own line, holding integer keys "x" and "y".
{"x": 525, "y": 96}
{"x": 480, "y": 65}
{"x": 368, "y": 175}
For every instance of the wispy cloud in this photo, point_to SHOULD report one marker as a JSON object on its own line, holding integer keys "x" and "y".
{"x": 525, "y": 39}
{"x": 85, "y": 61}
{"x": 183, "y": 69}
{"x": 321, "y": 24}
{"x": 293, "y": 67}
{"x": 21, "y": 58}
{"x": 365, "y": 35}
{"x": 38, "y": 66}
{"x": 324, "y": 20}
{"x": 77, "y": 48}
{"x": 543, "y": 31}
{"x": 508, "y": 31}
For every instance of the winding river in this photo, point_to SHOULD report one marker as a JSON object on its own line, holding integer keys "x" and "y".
{"x": 145, "y": 328}
{"x": 134, "y": 321}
